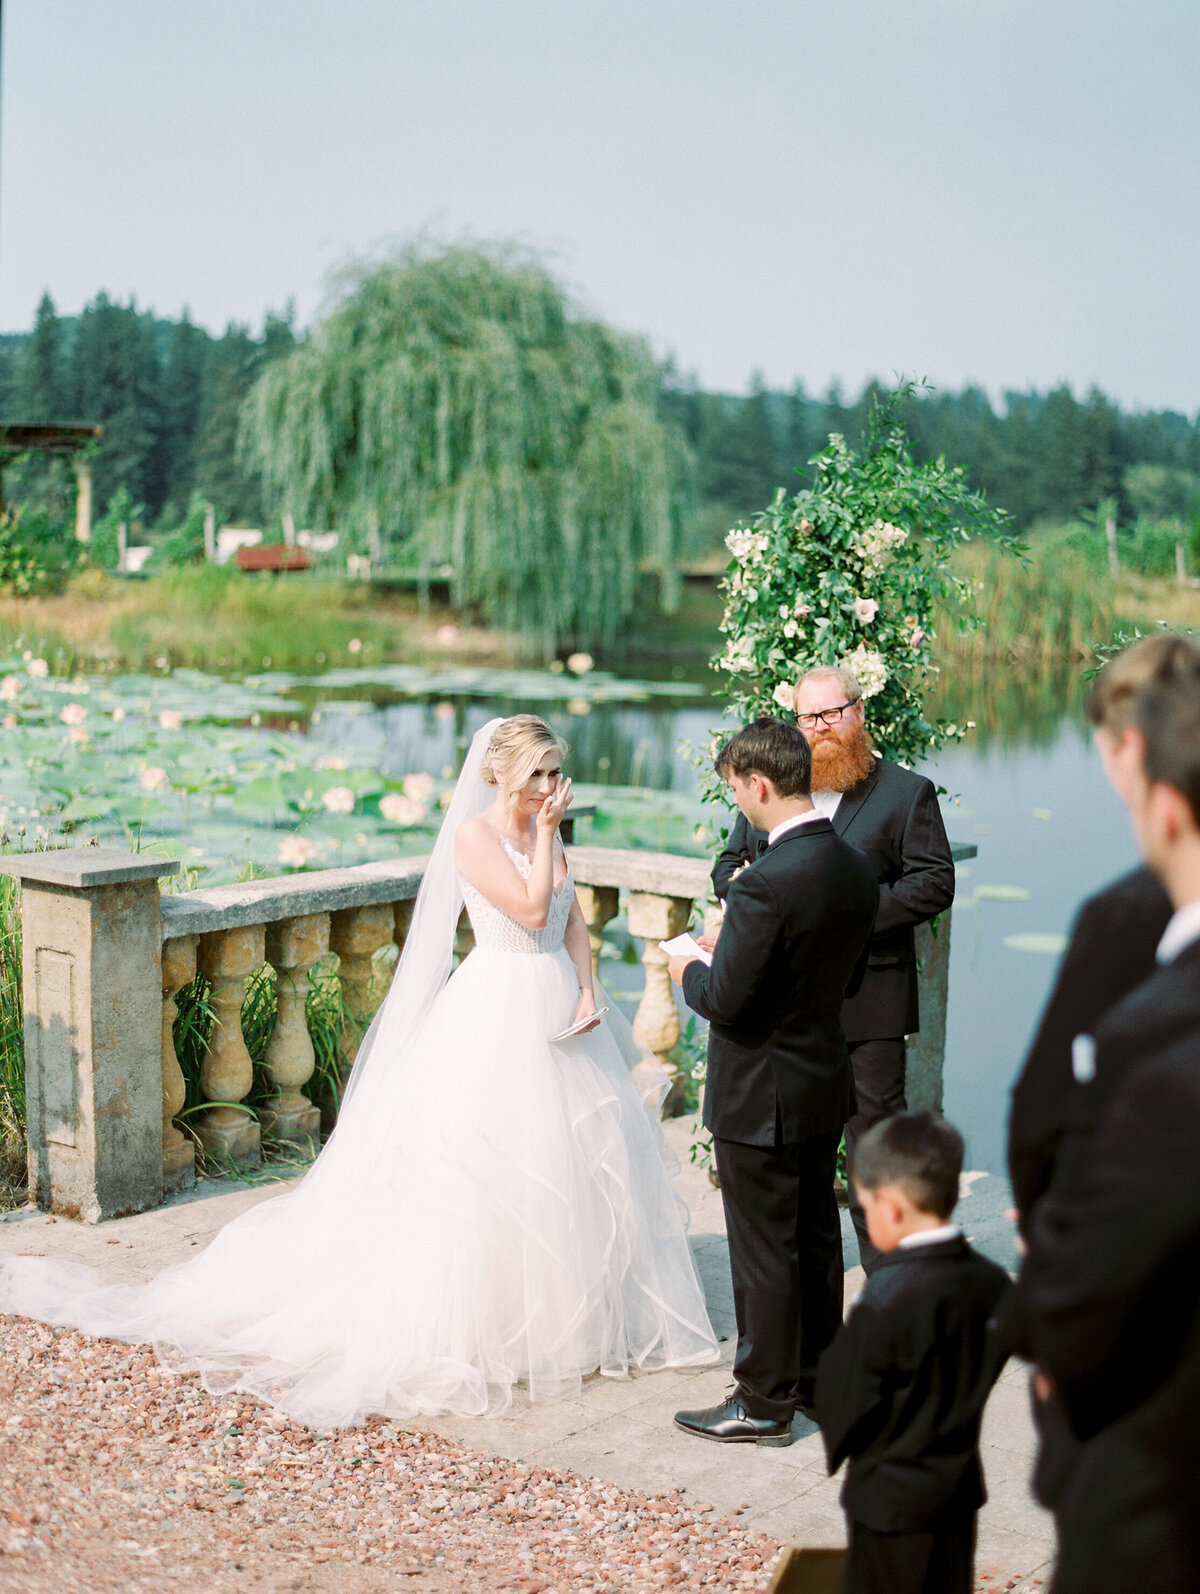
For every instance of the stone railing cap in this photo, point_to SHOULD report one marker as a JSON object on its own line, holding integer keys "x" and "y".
{"x": 81, "y": 867}
{"x": 290, "y": 896}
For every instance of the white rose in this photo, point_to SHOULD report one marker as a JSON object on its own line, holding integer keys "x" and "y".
{"x": 865, "y": 610}
{"x": 785, "y": 695}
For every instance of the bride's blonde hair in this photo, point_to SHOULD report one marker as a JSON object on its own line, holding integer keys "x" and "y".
{"x": 514, "y": 751}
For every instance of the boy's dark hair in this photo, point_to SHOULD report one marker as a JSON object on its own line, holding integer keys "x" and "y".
{"x": 771, "y": 748}
{"x": 1168, "y": 716}
{"x": 918, "y": 1151}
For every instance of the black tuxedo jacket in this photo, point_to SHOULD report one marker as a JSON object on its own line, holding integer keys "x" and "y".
{"x": 796, "y": 922}
{"x": 1111, "y": 1294}
{"x": 901, "y": 1390}
{"x": 893, "y": 816}
{"x": 1111, "y": 951}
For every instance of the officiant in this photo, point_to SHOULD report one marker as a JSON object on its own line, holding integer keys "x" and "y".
{"x": 892, "y": 815}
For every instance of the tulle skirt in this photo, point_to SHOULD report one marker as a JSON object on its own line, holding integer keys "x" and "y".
{"x": 492, "y": 1209}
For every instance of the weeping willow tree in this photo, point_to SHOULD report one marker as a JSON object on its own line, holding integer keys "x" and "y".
{"x": 453, "y": 394}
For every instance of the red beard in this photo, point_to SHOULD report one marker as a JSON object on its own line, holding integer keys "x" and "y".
{"x": 838, "y": 764}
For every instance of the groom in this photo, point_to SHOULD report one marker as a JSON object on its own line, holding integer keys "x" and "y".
{"x": 779, "y": 1088}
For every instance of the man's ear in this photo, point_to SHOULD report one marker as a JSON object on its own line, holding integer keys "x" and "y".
{"x": 760, "y": 786}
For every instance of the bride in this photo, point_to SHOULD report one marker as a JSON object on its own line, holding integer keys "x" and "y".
{"x": 492, "y": 1207}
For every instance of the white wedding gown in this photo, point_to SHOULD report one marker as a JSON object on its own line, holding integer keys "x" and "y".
{"x": 493, "y": 1209}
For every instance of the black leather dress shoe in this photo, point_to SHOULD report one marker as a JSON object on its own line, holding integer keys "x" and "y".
{"x": 731, "y": 1424}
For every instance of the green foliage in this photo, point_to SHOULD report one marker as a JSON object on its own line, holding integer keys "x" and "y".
{"x": 185, "y": 545}
{"x": 856, "y": 569}
{"x": 36, "y": 553}
{"x": 104, "y": 548}
{"x": 12, "y": 1048}
{"x": 453, "y": 394}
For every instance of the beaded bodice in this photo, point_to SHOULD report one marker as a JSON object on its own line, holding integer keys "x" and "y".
{"x": 499, "y": 932}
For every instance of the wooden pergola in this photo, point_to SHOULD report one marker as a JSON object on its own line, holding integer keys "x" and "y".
{"x": 76, "y": 441}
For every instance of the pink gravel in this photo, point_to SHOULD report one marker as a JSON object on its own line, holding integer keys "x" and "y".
{"x": 117, "y": 1476}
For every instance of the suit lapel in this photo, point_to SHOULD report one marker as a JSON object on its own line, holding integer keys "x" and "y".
{"x": 853, "y": 800}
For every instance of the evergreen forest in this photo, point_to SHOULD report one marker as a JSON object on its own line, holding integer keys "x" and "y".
{"x": 170, "y": 396}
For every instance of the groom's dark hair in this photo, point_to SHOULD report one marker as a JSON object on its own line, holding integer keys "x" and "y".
{"x": 773, "y": 749}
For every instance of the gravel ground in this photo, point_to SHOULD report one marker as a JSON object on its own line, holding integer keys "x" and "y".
{"x": 117, "y": 1476}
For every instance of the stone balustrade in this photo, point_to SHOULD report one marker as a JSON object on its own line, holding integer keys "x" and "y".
{"x": 105, "y": 958}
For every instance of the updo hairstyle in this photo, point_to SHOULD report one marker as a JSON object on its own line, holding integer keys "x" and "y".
{"x": 515, "y": 750}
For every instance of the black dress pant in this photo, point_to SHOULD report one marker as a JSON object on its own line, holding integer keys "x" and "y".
{"x": 785, "y": 1255}
{"x": 939, "y": 1562}
{"x": 879, "y": 1086}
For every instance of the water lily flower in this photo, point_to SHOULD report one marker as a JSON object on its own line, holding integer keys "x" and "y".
{"x": 170, "y": 719}
{"x": 339, "y": 800}
{"x": 355, "y": 644}
{"x": 10, "y": 722}
{"x": 73, "y": 714}
{"x": 580, "y": 663}
{"x": 419, "y": 786}
{"x": 10, "y": 688}
{"x": 118, "y": 715}
{"x": 38, "y": 668}
{"x": 444, "y": 711}
{"x": 331, "y": 763}
{"x": 78, "y": 734}
{"x": 297, "y": 852}
{"x": 445, "y": 634}
{"x": 154, "y": 778}
{"x": 865, "y": 610}
{"x": 401, "y": 810}
{"x": 579, "y": 706}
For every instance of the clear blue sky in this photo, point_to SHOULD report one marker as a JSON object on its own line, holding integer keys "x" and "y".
{"x": 1001, "y": 191}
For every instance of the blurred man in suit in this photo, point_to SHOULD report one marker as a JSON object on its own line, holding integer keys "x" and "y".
{"x": 1110, "y": 1284}
{"x": 778, "y": 1088}
{"x": 892, "y": 815}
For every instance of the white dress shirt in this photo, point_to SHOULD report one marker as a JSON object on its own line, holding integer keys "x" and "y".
{"x": 826, "y": 802}
{"x": 944, "y": 1231}
{"x": 794, "y": 823}
{"x": 1183, "y": 929}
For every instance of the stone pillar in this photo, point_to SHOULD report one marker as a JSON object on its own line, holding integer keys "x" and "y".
{"x": 226, "y": 1132}
{"x": 598, "y": 904}
{"x": 83, "y": 499}
{"x": 293, "y": 946}
{"x": 927, "y": 1048}
{"x": 178, "y": 1153}
{"x": 92, "y": 948}
{"x": 657, "y": 918}
{"x": 356, "y": 934}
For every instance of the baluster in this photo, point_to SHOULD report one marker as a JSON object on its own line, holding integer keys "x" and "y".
{"x": 293, "y": 946}
{"x": 657, "y": 918}
{"x": 178, "y": 1152}
{"x": 228, "y": 958}
{"x": 598, "y": 904}
{"x": 356, "y": 934}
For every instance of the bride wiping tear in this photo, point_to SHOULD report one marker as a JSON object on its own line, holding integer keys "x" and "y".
{"x": 492, "y": 1207}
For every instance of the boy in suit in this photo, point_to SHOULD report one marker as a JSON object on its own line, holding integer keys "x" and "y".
{"x": 779, "y": 1085}
{"x": 901, "y": 1390}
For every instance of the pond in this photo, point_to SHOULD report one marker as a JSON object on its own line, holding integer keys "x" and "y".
{"x": 279, "y": 772}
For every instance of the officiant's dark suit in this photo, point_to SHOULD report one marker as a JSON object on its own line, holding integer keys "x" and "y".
{"x": 1111, "y": 1296}
{"x": 893, "y": 818}
{"x": 777, "y": 1093}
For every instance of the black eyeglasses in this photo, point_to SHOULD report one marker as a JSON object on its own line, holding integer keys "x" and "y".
{"x": 825, "y": 716}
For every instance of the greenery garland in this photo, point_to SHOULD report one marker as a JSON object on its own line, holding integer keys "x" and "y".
{"x": 855, "y": 570}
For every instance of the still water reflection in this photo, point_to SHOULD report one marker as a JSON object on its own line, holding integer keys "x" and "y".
{"x": 1048, "y": 829}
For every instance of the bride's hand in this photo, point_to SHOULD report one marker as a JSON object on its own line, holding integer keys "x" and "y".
{"x": 551, "y": 812}
{"x": 587, "y": 1005}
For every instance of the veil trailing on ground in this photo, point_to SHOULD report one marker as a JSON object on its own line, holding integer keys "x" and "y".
{"x": 424, "y": 965}
{"x": 490, "y": 1207}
